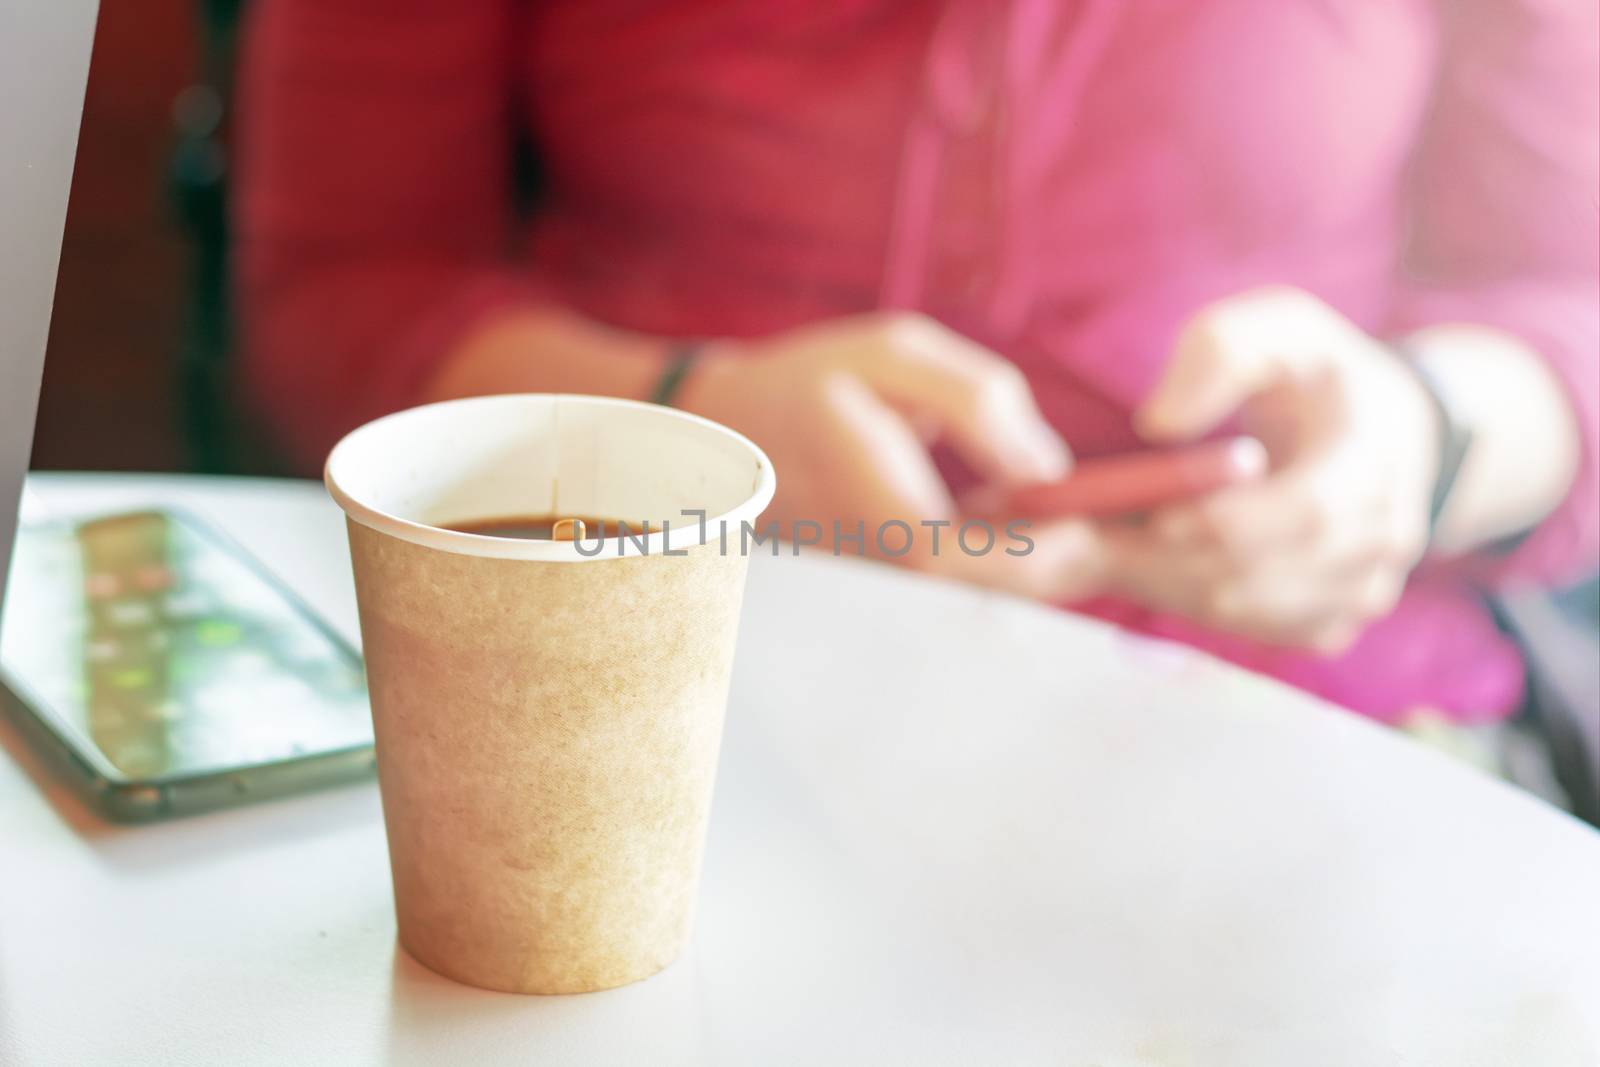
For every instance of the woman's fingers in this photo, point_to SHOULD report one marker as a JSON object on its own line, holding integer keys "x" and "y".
{"x": 1243, "y": 520}
{"x": 848, "y": 408}
{"x": 1222, "y": 357}
{"x": 881, "y": 477}
{"x": 979, "y": 399}
{"x": 1289, "y": 598}
{"x": 1323, "y": 612}
{"x": 875, "y": 459}
{"x": 1321, "y": 512}
{"x": 1308, "y": 509}
{"x": 1236, "y": 349}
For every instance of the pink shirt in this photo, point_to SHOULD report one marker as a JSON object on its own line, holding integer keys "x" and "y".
{"x": 1062, "y": 180}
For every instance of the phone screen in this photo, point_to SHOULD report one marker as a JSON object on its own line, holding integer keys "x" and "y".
{"x": 161, "y": 646}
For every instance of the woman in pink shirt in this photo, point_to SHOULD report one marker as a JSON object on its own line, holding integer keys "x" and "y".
{"x": 926, "y": 245}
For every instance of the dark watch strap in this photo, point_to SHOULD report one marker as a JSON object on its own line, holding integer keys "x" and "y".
{"x": 1455, "y": 441}
{"x": 680, "y": 360}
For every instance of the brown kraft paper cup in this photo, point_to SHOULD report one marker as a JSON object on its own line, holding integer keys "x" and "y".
{"x": 547, "y": 721}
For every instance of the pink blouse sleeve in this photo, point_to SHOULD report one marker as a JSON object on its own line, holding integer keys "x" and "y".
{"x": 1505, "y": 228}
{"x": 374, "y": 166}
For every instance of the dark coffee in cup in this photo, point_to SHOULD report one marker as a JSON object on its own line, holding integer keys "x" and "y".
{"x": 544, "y": 527}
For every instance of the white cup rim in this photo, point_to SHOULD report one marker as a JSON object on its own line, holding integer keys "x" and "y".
{"x": 676, "y": 539}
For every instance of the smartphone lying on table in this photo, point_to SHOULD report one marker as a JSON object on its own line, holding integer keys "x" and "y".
{"x": 169, "y": 672}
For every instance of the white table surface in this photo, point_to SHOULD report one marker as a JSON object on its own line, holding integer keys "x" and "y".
{"x": 949, "y": 828}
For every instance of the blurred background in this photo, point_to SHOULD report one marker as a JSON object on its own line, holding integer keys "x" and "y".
{"x": 135, "y": 377}
{"x": 139, "y": 372}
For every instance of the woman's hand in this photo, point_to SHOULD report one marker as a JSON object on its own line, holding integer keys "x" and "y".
{"x": 1322, "y": 545}
{"x": 847, "y": 409}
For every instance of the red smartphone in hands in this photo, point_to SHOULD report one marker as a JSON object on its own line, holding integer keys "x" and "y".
{"x": 1140, "y": 481}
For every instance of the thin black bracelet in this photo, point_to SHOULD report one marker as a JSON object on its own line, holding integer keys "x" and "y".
{"x": 680, "y": 361}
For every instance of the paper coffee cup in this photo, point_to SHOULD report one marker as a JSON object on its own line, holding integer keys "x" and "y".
{"x": 547, "y": 715}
